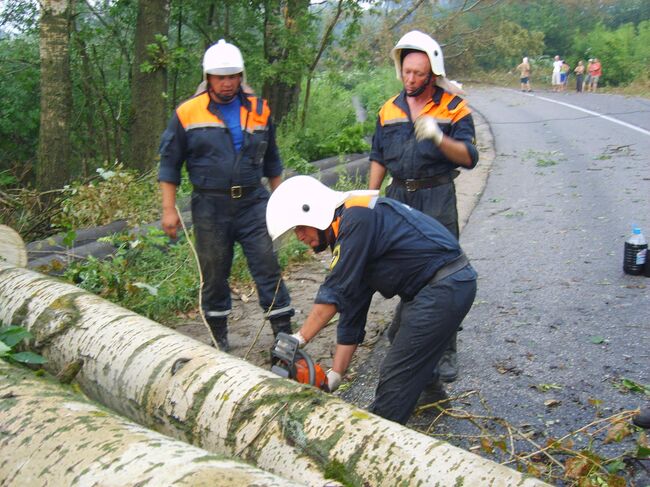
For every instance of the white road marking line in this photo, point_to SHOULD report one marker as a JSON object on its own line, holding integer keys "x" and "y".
{"x": 596, "y": 114}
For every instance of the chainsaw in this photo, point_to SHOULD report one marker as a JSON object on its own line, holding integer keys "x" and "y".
{"x": 288, "y": 361}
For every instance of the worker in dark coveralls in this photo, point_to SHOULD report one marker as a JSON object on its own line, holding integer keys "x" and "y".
{"x": 227, "y": 140}
{"x": 378, "y": 244}
{"x": 423, "y": 135}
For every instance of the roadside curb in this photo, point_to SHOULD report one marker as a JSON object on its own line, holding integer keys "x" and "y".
{"x": 471, "y": 183}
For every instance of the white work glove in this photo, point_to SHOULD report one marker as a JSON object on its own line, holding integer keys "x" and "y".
{"x": 333, "y": 380}
{"x": 427, "y": 128}
{"x": 301, "y": 339}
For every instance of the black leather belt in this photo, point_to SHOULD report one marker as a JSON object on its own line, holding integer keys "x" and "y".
{"x": 425, "y": 183}
{"x": 448, "y": 269}
{"x": 235, "y": 192}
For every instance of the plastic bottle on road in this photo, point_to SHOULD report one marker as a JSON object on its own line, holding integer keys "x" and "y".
{"x": 635, "y": 254}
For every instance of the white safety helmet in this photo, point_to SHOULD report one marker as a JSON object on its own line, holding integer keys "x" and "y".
{"x": 223, "y": 58}
{"x": 419, "y": 41}
{"x": 303, "y": 200}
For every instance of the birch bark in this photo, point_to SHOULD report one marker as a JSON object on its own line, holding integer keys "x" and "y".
{"x": 195, "y": 393}
{"x": 51, "y": 436}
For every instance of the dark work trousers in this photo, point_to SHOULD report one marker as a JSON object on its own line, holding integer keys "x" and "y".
{"x": 220, "y": 221}
{"x": 438, "y": 202}
{"x": 427, "y": 323}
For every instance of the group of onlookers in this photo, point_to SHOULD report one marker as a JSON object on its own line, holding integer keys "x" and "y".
{"x": 586, "y": 77}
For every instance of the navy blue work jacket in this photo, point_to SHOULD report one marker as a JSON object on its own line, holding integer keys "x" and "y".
{"x": 198, "y": 135}
{"x": 394, "y": 145}
{"x": 383, "y": 246}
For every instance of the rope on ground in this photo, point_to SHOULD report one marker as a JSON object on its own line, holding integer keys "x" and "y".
{"x": 198, "y": 266}
{"x": 266, "y": 317}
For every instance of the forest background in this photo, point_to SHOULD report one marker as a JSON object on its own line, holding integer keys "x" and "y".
{"x": 87, "y": 87}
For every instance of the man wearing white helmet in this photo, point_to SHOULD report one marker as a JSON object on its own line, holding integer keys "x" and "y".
{"x": 423, "y": 134}
{"x": 227, "y": 141}
{"x": 378, "y": 244}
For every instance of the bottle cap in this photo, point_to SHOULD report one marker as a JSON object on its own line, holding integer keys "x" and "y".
{"x": 636, "y": 230}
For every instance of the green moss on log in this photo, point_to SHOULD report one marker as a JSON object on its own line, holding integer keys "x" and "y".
{"x": 299, "y": 402}
{"x": 61, "y": 315}
{"x": 187, "y": 425}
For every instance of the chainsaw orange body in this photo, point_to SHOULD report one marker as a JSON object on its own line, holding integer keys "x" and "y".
{"x": 287, "y": 360}
{"x": 302, "y": 374}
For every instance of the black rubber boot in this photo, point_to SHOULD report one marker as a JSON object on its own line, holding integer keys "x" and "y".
{"x": 433, "y": 393}
{"x": 219, "y": 331}
{"x": 448, "y": 365}
{"x": 281, "y": 324}
{"x": 642, "y": 420}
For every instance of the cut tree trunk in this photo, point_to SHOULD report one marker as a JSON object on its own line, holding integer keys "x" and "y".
{"x": 51, "y": 436}
{"x": 193, "y": 392}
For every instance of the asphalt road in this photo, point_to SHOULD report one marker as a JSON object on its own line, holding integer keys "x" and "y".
{"x": 547, "y": 240}
{"x": 557, "y": 326}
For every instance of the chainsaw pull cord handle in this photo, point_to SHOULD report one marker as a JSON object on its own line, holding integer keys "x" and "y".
{"x": 310, "y": 366}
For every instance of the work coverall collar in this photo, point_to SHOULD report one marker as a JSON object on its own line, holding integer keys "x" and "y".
{"x": 213, "y": 106}
{"x": 401, "y": 102}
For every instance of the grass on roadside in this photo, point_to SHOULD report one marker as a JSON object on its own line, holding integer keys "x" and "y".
{"x": 157, "y": 280}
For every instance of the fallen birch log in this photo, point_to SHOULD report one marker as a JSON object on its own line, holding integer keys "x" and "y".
{"x": 51, "y": 436}
{"x": 193, "y": 392}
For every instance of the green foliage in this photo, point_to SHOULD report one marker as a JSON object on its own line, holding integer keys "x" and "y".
{"x": 23, "y": 210}
{"x": 159, "y": 55}
{"x": 157, "y": 280}
{"x": 20, "y": 113}
{"x": 509, "y": 43}
{"x": 144, "y": 275}
{"x": 293, "y": 251}
{"x": 7, "y": 179}
{"x": 374, "y": 87}
{"x": 118, "y": 194}
{"x": 347, "y": 182}
{"x": 624, "y": 53}
{"x": 628, "y": 385}
{"x": 330, "y": 128}
{"x": 10, "y": 337}
{"x": 547, "y": 16}
{"x": 616, "y": 33}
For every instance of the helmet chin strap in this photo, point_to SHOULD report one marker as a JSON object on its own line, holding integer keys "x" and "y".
{"x": 225, "y": 99}
{"x": 421, "y": 89}
{"x": 322, "y": 241}
{"x": 221, "y": 98}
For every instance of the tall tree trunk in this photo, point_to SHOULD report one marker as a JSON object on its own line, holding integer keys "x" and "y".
{"x": 281, "y": 43}
{"x": 54, "y": 167}
{"x": 195, "y": 393}
{"x": 179, "y": 43}
{"x": 148, "y": 111}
